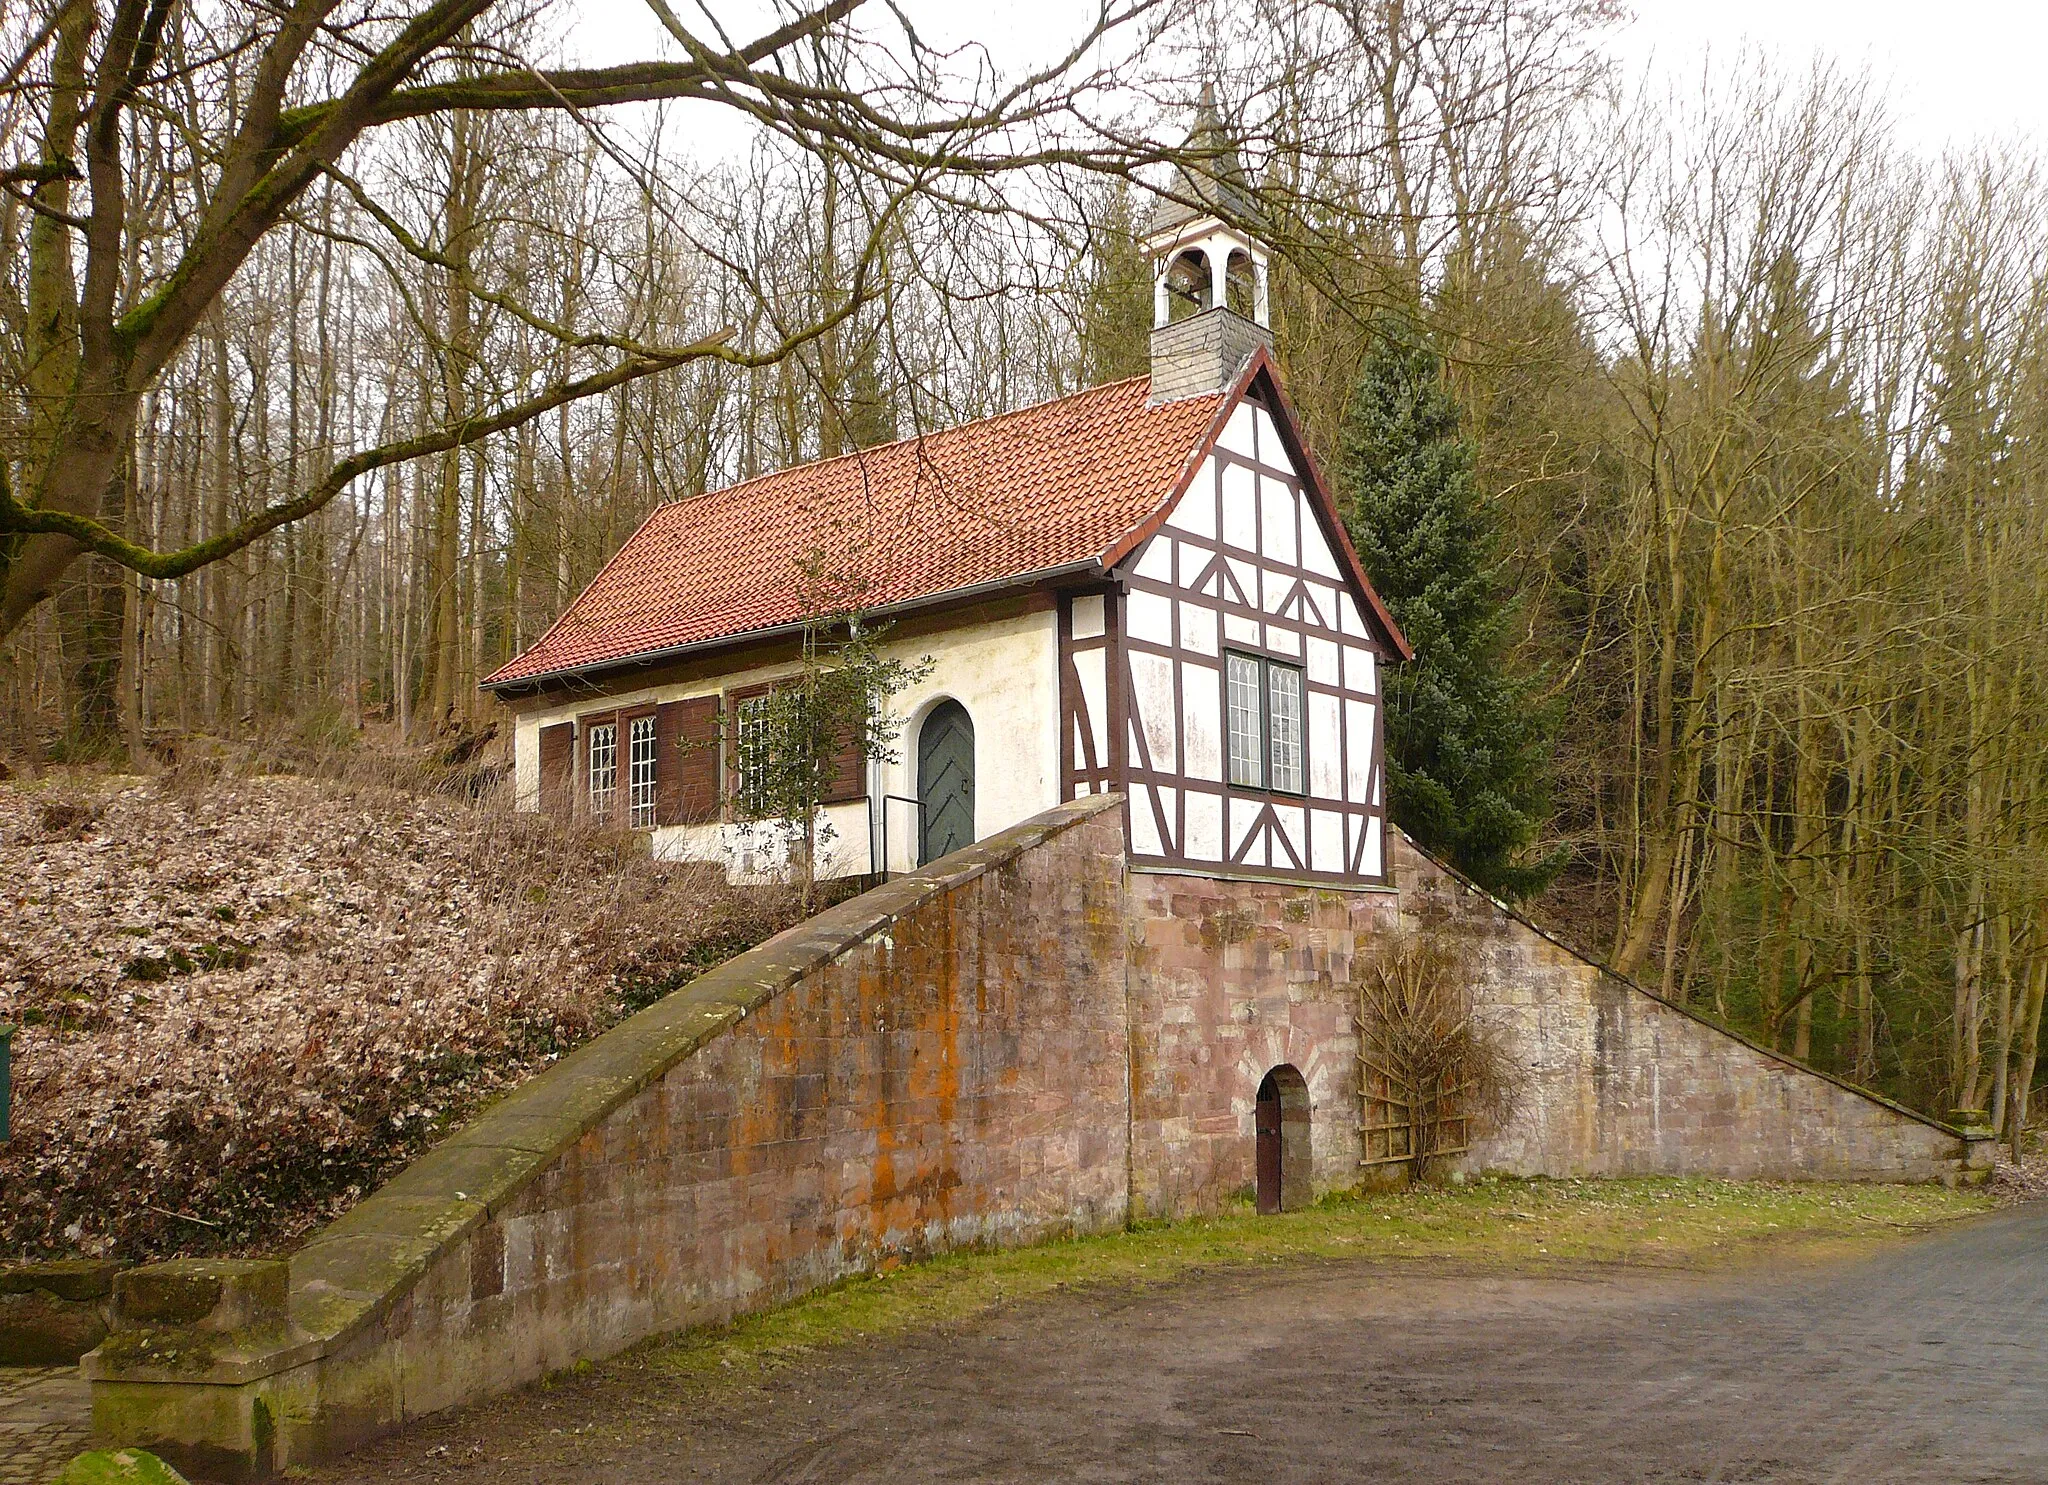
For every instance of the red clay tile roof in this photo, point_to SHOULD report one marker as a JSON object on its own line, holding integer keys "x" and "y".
{"x": 1040, "y": 488}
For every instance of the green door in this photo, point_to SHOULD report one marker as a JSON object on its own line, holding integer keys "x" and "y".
{"x": 945, "y": 781}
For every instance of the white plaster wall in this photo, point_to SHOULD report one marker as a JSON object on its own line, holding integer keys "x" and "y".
{"x": 1270, "y": 527}
{"x": 525, "y": 765}
{"x": 758, "y": 851}
{"x": 1007, "y": 676}
{"x": 1005, "y": 673}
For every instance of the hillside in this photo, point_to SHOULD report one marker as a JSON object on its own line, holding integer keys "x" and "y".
{"x": 243, "y": 1002}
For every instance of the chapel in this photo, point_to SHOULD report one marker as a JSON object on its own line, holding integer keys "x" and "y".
{"x": 1141, "y": 588}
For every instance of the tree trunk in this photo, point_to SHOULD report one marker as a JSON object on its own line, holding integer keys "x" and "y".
{"x": 90, "y": 606}
{"x": 444, "y": 651}
{"x": 2030, "y": 1045}
{"x": 2001, "y": 1059}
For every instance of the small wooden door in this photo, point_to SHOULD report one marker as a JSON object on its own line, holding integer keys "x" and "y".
{"x": 1267, "y": 1121}
{"x": 945, "y": 781}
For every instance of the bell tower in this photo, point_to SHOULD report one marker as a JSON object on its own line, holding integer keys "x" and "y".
{"x": 1209, "y": 295}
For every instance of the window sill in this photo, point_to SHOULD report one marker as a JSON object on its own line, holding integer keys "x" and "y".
{"x": 1256, "y": 791}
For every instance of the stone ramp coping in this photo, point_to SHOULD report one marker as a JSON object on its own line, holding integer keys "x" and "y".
{"x": 348, "y": 1275}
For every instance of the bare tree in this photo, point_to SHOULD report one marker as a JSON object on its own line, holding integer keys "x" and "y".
{"x": 270, "y": 102}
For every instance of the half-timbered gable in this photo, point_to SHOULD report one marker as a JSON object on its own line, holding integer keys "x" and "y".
{"x": 1228, "y": 678}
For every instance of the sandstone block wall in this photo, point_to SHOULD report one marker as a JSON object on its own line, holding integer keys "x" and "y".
{"x": 939, "y": 1062}
{"x": 1228, "y": 981}
{"x": 955, "y": 1080}
{"x": 1025, "y": 1039}
{"x": 1618, "y": 1082}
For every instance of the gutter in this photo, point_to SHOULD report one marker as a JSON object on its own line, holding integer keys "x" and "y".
{"x": 1086, "y": 567}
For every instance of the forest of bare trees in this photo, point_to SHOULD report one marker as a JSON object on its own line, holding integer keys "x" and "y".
{"x": 1759, "y": 399}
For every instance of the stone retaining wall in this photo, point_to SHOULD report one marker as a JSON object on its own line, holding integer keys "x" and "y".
{"x": 53, "y": 1313}
{"x": 1232, "y": 978}
{"x": 1228, "y": 980}
{"x": 938, "y": 1062}
{"x": 1616, "y": 1082}
{"x": 1025, "y": 1039}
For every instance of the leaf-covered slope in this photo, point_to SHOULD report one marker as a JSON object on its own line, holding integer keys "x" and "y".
{"x": 244, "y": 1003}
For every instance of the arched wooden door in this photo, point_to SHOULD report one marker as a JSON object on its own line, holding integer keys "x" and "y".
{"x": 1280, "y": 1122}
{"x": 1266, "y": 1121}
{"x": 945, "y": 781}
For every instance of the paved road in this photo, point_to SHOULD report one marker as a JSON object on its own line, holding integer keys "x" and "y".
{"x": 1925, "y": 1362}
{"x": 45, "y": 1415}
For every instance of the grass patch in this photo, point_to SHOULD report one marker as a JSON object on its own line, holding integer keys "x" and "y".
{"x": 1525, "y": 1225}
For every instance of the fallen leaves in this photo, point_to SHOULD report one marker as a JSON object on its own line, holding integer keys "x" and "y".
{"x": 242, "y": 1006}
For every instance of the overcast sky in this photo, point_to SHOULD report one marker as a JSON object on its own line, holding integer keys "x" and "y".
{"x": 1954, "y": 69}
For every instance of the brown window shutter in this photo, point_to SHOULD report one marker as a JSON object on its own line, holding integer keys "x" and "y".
{"x": 686, "y": 761}
{"x": 849, "y": 778}
{"x": 557, "y": 755}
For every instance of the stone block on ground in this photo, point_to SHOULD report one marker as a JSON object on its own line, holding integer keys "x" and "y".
{"x": 215, "y": 1294}
{"x": 38, "y": 1329}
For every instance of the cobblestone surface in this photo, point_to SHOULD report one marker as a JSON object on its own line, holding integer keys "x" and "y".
{"x": 45, "y": 1418}
{"x": 1920, "y": 1364}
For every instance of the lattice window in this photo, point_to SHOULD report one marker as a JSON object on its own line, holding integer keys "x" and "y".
{"x": 640, "y": 766}
{"x": 1266, "y": 726}
{"x": 1283, "y": 728}
{"x": 1247, "y": 723}
{"x": 751, "y": 745}
{"x": 604, "y": 769}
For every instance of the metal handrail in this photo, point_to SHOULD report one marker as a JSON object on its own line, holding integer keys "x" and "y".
{"x": 882, "y": 866}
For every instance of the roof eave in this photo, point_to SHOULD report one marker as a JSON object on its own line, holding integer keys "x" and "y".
{"x": 1085, "y": 568}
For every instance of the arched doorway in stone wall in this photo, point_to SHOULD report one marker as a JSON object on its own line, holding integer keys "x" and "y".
{"x": 1280, "y": 1119}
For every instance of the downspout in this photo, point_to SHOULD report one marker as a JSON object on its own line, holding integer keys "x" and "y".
{"x": 1115, "y": 700}
{"x": 878, "y": 830}
{"x": 1130, "y": 1052}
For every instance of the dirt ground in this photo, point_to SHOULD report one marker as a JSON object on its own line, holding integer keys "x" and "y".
{"x": 1923, "y": 1361}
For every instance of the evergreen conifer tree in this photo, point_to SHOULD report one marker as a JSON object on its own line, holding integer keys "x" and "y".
{"x": 1465, "y": 740}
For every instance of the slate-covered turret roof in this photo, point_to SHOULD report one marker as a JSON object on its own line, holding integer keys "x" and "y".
{"x": 1213, "y": 174}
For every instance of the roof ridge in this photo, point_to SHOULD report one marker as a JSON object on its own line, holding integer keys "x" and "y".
{"x": 876, "y": 448}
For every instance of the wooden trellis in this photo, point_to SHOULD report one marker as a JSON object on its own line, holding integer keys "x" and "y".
{"x": 1399, "y": 1122}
